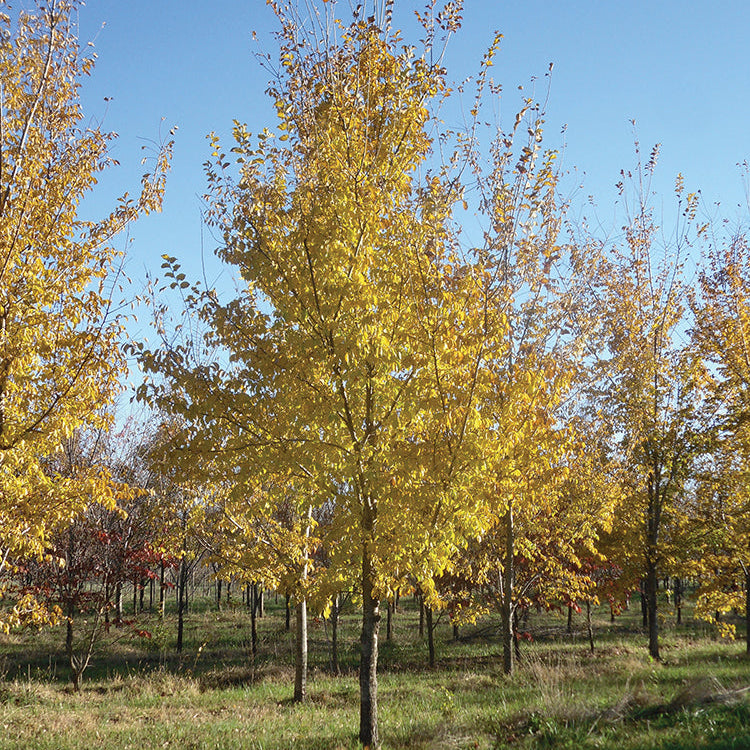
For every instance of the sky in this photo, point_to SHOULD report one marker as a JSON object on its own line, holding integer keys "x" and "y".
{"x": 680, "y": 70}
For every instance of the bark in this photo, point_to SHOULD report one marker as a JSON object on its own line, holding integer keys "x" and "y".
{"x": 656, "y": 493}
{"x": 455, "y": 632}
{"x": 118, "y": 602}
{"x": 589, "y": 627}
{"x": 74, "y": 675}
{"x": 300, "y": 661}
{"x": 335, "y": 668}
{"x": 430, "y": 638}
{"x": 651, "y": 604}
{"x": 161, "y": 591}
{"x": 300, "y": 671}
{"x": 181, "y": 585}
{"x": 569, "y": 628}
{"x": 678, "y": 599}
{"x": 507, "y": 608}
{"x": 368, "y": 680}
{"x": 253, "y": 633}
{"x": 218, "y": 594}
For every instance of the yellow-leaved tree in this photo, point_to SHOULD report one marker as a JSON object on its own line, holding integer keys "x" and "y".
{"x": 648, "y": 389}
{"x": 60, "y": 358}
{"x": 720, "y": 525}
{"x": 327, "y": 385}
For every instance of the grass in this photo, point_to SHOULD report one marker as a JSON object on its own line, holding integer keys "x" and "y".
{"x": 138, "y": 694}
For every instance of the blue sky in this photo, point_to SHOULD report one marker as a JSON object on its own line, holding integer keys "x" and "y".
{"x": 681, "y": 71}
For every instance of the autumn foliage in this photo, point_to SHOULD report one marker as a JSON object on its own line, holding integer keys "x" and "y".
{"x": 518, "y": 416}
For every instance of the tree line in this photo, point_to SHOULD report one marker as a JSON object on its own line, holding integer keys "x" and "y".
{"x": 430, "y": 377}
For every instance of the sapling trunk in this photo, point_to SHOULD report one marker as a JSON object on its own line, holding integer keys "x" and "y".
{"x": 368, "y": 666}
{"x": 589, "y": 627}
{"x": 430, "y": 637}
{"x": 334, "y": 636}
{"x": 300, "y": 661}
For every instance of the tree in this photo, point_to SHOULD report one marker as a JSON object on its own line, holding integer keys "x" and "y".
{"x": 60, "y": 358}
{"x": 721, "y": 331}
{"x": 527, "y": 319}
{"x": 87, "y": 561}
{"x": 327, "y": 379}
{"x": 648, "y": 388}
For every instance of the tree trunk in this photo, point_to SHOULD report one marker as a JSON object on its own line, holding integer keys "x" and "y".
{"x": 300, "y": 671}
{"x": 430, "y": 638}
{"x": 455, "y": 631}
{"x": 589, "y": 627}
{"x": 161, "y": 591}
{"x": 507, "y": 584}
{"x": 218, "y": 594}
{"x": 368, "y": 680}
{"x": 569, "y": 628}
{"x": 678, "y": 599}
{"x": 335, "y": 668}
{"x": 300, "y": 661}
{"x": 656, "y": 492}
{"x": 118, "y": 602}
{"x": 69, "y": 645}
{"x": 651, "y": 603}
{"x": 181, "y": 584}
{"x": 253, "y": 633}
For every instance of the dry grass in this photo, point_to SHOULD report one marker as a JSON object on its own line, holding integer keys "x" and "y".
{"x": 218, "y": 696}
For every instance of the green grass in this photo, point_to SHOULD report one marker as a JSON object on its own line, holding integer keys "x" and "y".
{"x": 138, "y": 694}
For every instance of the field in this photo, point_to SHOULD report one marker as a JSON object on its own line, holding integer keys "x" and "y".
{"x": 138, "y": 694}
